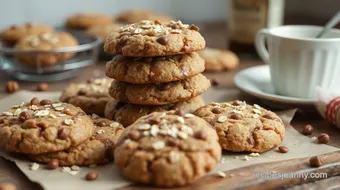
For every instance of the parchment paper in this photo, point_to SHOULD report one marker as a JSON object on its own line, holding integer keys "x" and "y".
{"x": 299, "y": 146}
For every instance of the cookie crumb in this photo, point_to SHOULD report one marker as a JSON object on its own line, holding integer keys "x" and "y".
{"x": 75, "y": 168}
{"x": 246, "y": 158}
{"x": 314, "y": 138}
{"x": 66, "y": 169}
{"x": 34, "y": 166}
{"x": 221, "y": 174}
{"x": 254, "y": 154}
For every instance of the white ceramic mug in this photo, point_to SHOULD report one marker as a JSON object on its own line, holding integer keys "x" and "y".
{"x": 298, "y": 61}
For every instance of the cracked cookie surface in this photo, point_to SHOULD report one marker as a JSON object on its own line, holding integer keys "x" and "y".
{"x": 152, "y": 38}
{"x": 126, "y": 114}
{"x": 167, "y": 149}
{"x": 40, "y": 127}
{"x": 91, "y": 96}
{"x": 242, "y": 127}
{"x": 156, "y": 69}
{"x": 159, "y": 94}
{"x": 96, "y": 150}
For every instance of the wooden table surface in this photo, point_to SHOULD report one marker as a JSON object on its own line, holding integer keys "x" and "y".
{"x": 215, "y": 36}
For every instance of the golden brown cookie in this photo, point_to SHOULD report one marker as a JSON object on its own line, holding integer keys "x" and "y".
{"x": 91, "y": 96}
{"x": 219, "y": 60}
{"x": 136, "y": 15}
{"x": 156, "y": 69}
{"x": 41, "y": 127}
{"x": 96, "y": 150}
{"x": 167, "y": 149}
{"x": 14, "y": 33}
{"x": 152, "y": 38}
{"x": 87, "y": 20}
{"x": 45, "y": 42}
{"x": 103, "y": 30}
{"x": 126, "y": 114}
{"x": 159, "y": 94}
{"x": 242, "y": 127}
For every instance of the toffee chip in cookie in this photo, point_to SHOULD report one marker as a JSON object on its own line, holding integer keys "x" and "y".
{"x": 242, "y": 127}
{"x": 159, "y": 94}
{"x": 91, "y": 96}
{"x": 156, "y": 69}
{"x": 45, "y": 126}
{"x": 11, "y": 35}
{"x": 152, "y": 38}
{"x": 45, "y": 42}
{"x": 160, "y": 148}
{"x": 96, "y": 150}
{"x": 126, "y": 114}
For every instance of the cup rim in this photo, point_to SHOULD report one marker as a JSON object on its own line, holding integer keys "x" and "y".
{"x": 302, "y": 38}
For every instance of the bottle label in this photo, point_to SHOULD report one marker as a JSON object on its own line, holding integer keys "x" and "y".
{"x": 246, "y": 18}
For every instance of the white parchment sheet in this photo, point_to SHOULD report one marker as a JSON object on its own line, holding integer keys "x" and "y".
{"x": 109, "y": 176}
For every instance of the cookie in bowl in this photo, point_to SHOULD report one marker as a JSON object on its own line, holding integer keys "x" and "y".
{"x": 11, "y": 35}
{"x": 45, "y": 42}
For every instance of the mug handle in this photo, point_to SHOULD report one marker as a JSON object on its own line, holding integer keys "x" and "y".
{"x": 260, "y": 44}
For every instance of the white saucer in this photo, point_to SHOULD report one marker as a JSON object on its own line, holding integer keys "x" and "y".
{"x": 256, "y": 81}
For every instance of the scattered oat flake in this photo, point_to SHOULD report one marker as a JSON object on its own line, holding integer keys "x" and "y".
{"x": 68, "y": 122}
{"x": 146, "y": 133}
{"x": 144, "y": 126}
{"x": 17, "y": 111}
{"x": 34, "y": 166}
{"x": 100, "y": 131}
{"x": 221, "y": 174}
{"x": 222, "y": 118}
{"x": 66, "y": 169}
{"x": 158, "y": 145}
{"x": 154, "y": 130}
{"x": 75, "y": 168}
{"x": 22, "y": 104}
{"x": 254, "y": 154}
{"x": 59, "y": 108}
{"x": 246, "y": 158}
{"x": 15, "y": 106}
{"x": 314, "y": 138}
{"x": 187, "y": 130}
{"x": 180, "y": 119}
{"x": 6, "y": 113}
{"x": 114, "y": 124}
{"x": 41, "y": 113}
{"x": 257, "y": 111}
{"x": 255, "y": 116}
{"x": 257, "y": 106}
{"x": 138, "y": 31}
{"x": 73, "y": 172}
{"x": 189, "y": 115}
{"x": 33, "y": 107}
{"x": 182, "y": 135}
{"x": 52, "y": 116}
{"x": 56, "y": 105}
{"x": 61, "y": 115}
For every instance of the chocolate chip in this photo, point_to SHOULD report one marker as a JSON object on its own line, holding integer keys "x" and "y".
{"x": 42, "y": 86}
{"x": 148, "y": 59}
{"x": 283, "y": 149}
{"x": 235, "y": 103}
{"x": 164, "y": 86}
{"x": 92, "y": 175}
{"x": 53, "y": 164}
{"x": 163, "y": 40}
{"x": 236, "y": 116}
{"x": 323, "y": 138}
{"x": 308, "y": 130}
{"x": 214, "y": 82}
{"x": 89, "y": 81}
{"x": 134, "y": 135}
{"x": 180, "y": 112}
{"x": 216, "y": 110}
{"x": 62, "y": 134}
{"x": 42, "y": 125}
{"x": 174, "y": 26}
{"x": 315, "y": 161}
{"x": 82, "y": 92}
{"x": 158, "y": 22}
{"x": 154, "y": 120}
{"x": 171, "y": 142}
{"x": 194, "y": 27}
{"x": 35, "y": 101}
{"x": 12, "y": 86}
{"x": 7, "y": 186}
{"x": 45, "y": 102}
{"x": 267, "y": 116}
{"x": 23, "y": 116}
{"x": 28, "y": 124}
{"x": 102, "y": 123}
{"x": 201, "y": 135}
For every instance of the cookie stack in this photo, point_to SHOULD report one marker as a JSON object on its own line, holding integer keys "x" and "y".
{"x": 156, "y": 69}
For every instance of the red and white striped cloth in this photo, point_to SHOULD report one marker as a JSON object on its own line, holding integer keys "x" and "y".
{"x": 328, "y": 105}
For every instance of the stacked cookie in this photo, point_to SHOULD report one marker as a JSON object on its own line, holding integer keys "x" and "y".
{"x": 157, "y": 67}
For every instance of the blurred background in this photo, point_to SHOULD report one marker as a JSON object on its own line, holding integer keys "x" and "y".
{"x": 54, "y": 12}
